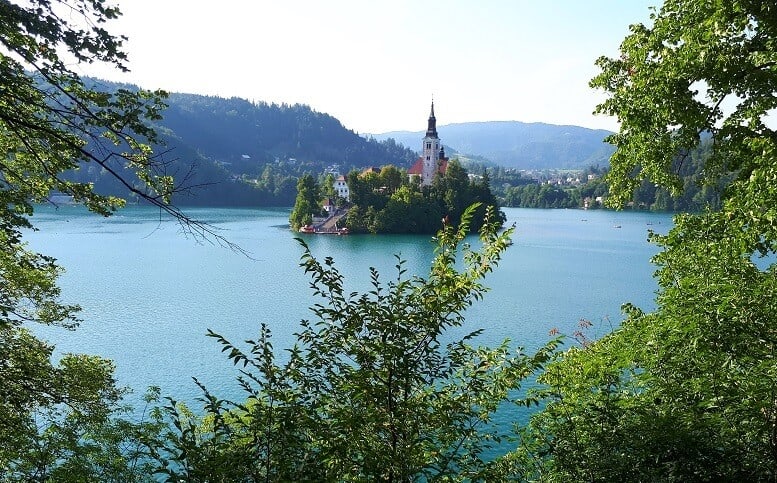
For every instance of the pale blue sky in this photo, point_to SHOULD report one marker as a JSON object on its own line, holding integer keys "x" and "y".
{"x": 374, "y": 64}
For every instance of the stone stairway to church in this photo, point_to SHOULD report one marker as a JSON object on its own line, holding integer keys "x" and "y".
{"x": 330, "y": 225}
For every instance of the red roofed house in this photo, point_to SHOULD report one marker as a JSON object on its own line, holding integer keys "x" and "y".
{"x": 432, "y": 159}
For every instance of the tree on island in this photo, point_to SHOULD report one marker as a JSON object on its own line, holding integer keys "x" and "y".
{"x": 388, "y": 202}
{"x": 307, "y": 205}
{"x": 686, "y": 392}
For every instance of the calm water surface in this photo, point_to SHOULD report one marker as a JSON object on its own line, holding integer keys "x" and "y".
{"x": 149, "y": 294}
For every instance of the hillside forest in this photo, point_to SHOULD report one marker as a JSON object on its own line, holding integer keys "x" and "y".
{"x": 232, "y": 152}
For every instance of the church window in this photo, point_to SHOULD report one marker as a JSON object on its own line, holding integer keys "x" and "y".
{"x": 428, "y": 145}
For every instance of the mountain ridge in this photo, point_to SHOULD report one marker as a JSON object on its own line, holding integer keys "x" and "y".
{"x": 517, "y": 144}
{"x": 237, "y": 152}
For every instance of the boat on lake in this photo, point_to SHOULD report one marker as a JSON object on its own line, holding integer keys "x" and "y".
{"x": 323, "y": 231}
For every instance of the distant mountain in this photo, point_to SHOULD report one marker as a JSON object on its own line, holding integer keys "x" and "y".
{"x": 240, "y": 153}
{"x": 519, "y": 145}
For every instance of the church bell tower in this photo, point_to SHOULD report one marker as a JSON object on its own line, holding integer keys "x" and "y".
{"x": 431, "y": 149}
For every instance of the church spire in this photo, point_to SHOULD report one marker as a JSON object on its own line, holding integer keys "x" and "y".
{"x": 431, "y": 130}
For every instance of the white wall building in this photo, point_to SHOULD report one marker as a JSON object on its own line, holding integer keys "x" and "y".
{"x": 341, "y": 188}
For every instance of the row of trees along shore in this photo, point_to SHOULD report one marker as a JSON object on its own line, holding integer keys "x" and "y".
{"x": 683, "y": 392}
{"x": 389, "y": 202}
{"x": 699, "y": 190}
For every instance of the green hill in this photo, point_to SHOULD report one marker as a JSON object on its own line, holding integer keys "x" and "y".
{"x": 248, "y": 135}
{"x": 234, "y": 152}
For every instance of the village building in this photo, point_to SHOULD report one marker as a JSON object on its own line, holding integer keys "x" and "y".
{"x": 341, "y": 188}
{"x": 432, "y": 160}
{"x": 329, "y": 205}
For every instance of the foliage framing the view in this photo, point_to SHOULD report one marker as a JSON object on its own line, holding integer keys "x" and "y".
{"x": 683, "y": 393}
{"x": 373, "y": 390}
{"x": 686, "y": 392}
{"x": 57, "y": 417}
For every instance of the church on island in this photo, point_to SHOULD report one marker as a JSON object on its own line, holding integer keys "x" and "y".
{"x": 432, "y": 159}
{"x": 391, "y": 200}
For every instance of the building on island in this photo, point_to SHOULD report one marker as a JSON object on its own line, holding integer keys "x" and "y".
{"x": 341, "y": 188}
{"x": 432, "y": 159}
{"x": 328, "y": 205}
{"x": 431, "y": 162}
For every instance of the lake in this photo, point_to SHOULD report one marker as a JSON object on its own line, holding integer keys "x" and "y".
{"x": 149, "y": 293}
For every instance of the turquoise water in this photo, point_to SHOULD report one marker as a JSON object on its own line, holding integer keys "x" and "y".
{"x": 149, "y": 293}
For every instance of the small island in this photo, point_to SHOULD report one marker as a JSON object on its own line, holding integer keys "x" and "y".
{"x": 433, "y": 191}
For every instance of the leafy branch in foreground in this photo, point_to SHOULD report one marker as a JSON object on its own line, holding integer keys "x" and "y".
{"x": 373, "y": 389}
{"x": 57, "y": 417}
{"x": 53, "y": 122}
{"x": 685, "y": 392}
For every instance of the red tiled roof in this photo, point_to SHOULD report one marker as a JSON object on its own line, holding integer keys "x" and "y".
{"x": 417, "y": 167}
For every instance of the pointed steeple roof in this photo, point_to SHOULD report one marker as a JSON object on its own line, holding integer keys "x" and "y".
{"x": 431, "y": 130}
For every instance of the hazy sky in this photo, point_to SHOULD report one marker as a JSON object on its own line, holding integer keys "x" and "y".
{"x": 375, "y": 64}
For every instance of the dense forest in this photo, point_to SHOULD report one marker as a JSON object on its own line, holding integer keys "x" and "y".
{"x": 245, "y": 135}
{"x": 232, "y": 152}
